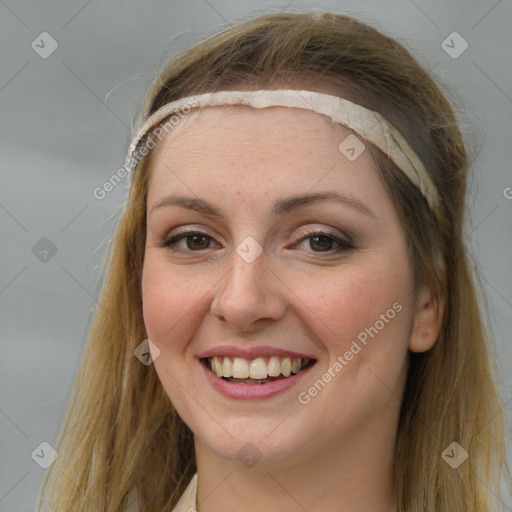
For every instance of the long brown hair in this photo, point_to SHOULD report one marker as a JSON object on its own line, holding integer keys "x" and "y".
{"x": 122, "y": 439}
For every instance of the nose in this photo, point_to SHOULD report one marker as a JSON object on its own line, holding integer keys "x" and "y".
{"x": 249, "y": 295}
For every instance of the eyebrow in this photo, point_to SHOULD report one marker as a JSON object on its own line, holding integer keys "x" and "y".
{"x": 281, "y": 207}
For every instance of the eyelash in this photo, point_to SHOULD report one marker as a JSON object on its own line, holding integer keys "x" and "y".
{"x": 344, "y": 245}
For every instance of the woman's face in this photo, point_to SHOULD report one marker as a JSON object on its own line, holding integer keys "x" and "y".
{"x": 286, "y": 255}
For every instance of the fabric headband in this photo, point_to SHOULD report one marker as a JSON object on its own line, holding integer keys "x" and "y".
{"x": 370, "y": 125}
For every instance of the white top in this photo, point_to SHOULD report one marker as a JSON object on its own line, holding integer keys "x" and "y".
{"x": 187, "y": 501}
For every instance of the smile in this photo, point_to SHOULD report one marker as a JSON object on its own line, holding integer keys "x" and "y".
{"x": 260, "y": 370}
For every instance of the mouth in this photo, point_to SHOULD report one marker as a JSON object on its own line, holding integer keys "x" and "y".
{"x": 260, "y": 370}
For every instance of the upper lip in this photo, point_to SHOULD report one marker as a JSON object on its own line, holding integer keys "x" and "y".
{"x": 251, "y": 352}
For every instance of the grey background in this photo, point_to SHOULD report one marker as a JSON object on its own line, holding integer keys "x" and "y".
{"x": 65, "y": 125}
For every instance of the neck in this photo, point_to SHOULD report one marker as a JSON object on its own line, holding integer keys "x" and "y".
{"x": 351, "y": 476}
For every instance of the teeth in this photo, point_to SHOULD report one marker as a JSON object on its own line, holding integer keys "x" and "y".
{"x": 286, "y": 367}
{"x": 240, "y": 368}
{"x": 227, "y": 367}
{"x": 274, "y": 367}
{"x": 258, "y": 369}
{"x": 217, "y": 367}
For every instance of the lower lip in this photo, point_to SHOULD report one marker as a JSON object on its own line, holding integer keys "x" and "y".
{"x": 252, "y": 391}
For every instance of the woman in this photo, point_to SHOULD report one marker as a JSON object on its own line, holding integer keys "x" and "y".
{"x": 289, "y": 320}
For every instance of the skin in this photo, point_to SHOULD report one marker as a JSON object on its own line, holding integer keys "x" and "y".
{"x": 335, "y": 452}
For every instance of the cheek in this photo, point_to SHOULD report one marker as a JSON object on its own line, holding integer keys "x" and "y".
{"x": 170, "y": 301}
{"x": 171, "y": 308}
{"x": 362, "y": 315}
{"x": 361, "y": 321}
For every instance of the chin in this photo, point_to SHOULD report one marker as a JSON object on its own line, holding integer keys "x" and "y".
{"x": 250, "y": 441}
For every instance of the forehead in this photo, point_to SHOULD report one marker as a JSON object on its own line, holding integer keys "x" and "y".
{"x": 262, "y": 125}
{"x": 243, "y": 134}
{"x": 259, "y": 154}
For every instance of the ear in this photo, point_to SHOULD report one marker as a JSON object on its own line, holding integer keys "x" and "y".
{"x": 427, "y": 321}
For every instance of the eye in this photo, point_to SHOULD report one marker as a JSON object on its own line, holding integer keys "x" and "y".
{"x": 323, "y": 241}
{"x": 319, "y": 241}
{"x": 194, "y": 241}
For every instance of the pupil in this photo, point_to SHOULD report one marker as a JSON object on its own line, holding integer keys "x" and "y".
{"x": 195, "y": 238}
{"x": 326, "y": 239}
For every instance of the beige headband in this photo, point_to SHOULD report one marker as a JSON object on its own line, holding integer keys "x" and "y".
{"x": 370, "y": 125}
